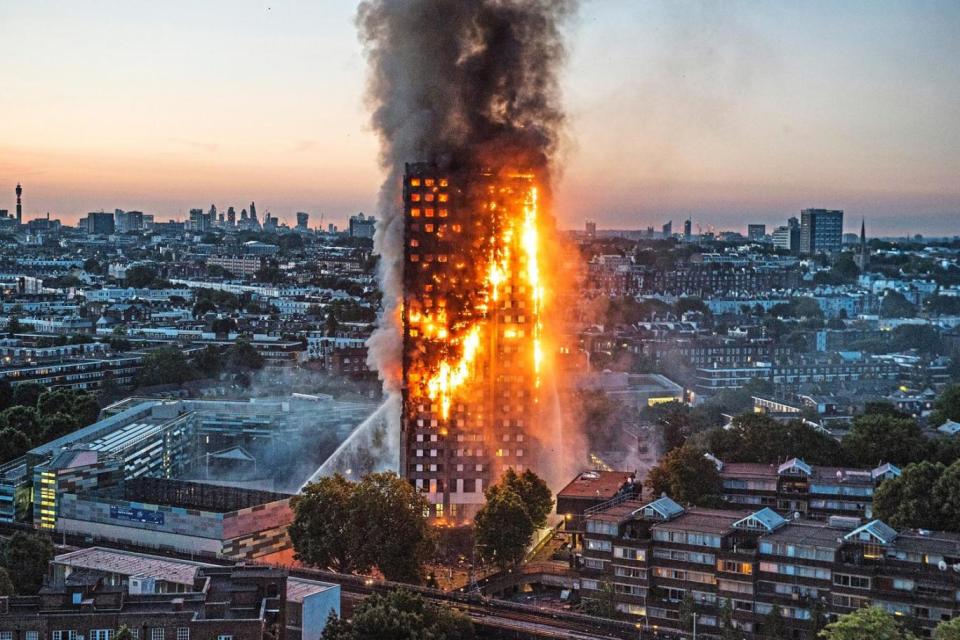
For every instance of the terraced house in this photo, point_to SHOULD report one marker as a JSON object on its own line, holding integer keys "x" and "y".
{"x": 763, "y": 569}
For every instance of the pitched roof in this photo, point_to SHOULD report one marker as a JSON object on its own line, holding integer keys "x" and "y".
{"x": 766, "y": 519}
{"x": 875, "y": 530}
{"x": 795, "y": 464}
{"x": 664, "y": 508}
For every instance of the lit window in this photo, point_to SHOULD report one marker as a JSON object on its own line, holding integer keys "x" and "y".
{"x": 414, "y": 213}
{"x": 415, "y": 197}
{"x": 414, "y": 182}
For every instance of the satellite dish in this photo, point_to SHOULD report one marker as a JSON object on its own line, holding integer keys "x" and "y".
{"x": 942, "y": 565}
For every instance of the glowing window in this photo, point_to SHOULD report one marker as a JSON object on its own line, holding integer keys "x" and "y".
{"x": 442, "y": 197}
{"x": 415, "y": 197}
{"x": 414, "y": 257}
{"x": 444, "y": 213}
{"x": 414, "y": 213}
{"x": 428, "y": 212}
{"x": 428, "y": 182}
{"x": 428, "y": 197}
{"x": 414, "y": 182}
{"x": 443, "y": 182}
{"x": 428, "y": 228}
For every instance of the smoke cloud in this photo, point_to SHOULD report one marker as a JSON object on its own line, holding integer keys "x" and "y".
{"x": 457, "y": 83}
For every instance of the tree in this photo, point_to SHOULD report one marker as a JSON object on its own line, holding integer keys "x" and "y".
{"x": 23, "y": 419}
{"x": 687, "y": 476}
{"x": 55, "y": 401}
{"x": 907, "y": 501}
{"x": 166, "y": 365}
{"x": 871, "y": 623}
{"x": 400, "y": 615}
{"x": 13, "y": 444}
{"x": 27, "y": 393}
{"x": 949, "y": 630}
{"x": 728, "y": 631}
{"x": 26, "y": 556}
{"x": 947, "y": 406}
{"x": 321, "y": 531}
{"x": 688, "y": 609}
{"x": 774, "y": 626}
{"x": 353, "y": 527}
{"x": 123, "y": 633}
{"x": 86, "y": 408}
{"x": 881, "y": 438}
{"x": 56, "y": 425}
{"x": 504, "y": 528}
{"x": 895, "y": 305}
{"x": 241, "y": 355}
{"x": 139, "y": 276}
{"x": 6, "y": 584}
{"x": 533, "y": 491}
{"x": 946, "y": 497}
{"x": 389, "y": 513}
{"x": 604, "y": 604}
{"x": 6, "y": 394}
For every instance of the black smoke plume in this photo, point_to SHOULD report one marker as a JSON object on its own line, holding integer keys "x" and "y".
{"x": 458, "y": 83}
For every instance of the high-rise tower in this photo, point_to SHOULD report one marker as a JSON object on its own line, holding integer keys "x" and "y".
{"x": 19, "y": 204}
{"x": 471, "y": 333}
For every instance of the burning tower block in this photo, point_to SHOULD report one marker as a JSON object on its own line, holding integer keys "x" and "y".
{"x": 471, "y": 333}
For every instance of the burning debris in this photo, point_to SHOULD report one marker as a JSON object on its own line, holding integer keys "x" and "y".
{"x": 466, "y": 90}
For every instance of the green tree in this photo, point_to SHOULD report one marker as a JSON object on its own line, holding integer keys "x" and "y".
{"x": 688, "y": 609}
{"x": 871, "y": 623}
{"x": 400, "y": 615}
{"x": 687, "y": 476}
{"x": 55, "y": 401}
{"x": 604, "y": 603}
{"x": 241, "y": 355}
{"x": 26, "y": 556}
{"x": 881, "y": 438}
{"x": 895, "y": 305}
{"x": 23, "y": 419}
{"x": 946, "y": 497}
{"x": 728, "y": 631}
{"x": 534, "y": 493}
{"x": 166, "y": 365}
{"x": 86, "y": 408}
{"x": 13, "y": 444}
{"x": 504, "y": 528}
{"x": 56, "y": 425}
{"x": 6, "y": 584}
{"x": 6, "y": 394}
{"x": 123, "y": 633}
{"x": 353, "y": 527}
{"x": 774, "y": 626}
{"x": 947, "y": 406}
{"x": 27, "y": 393}
{"x": 949, "y": 630}
{"x": 139, "y": 276}
{"x": 390, "y": 515}
{"x": 907, "y": 501}
{"x": 209, "y": 361}
{"x": 321, "y": 531}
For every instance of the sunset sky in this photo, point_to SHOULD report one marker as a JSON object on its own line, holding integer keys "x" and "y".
{"x": 727, "y": 112}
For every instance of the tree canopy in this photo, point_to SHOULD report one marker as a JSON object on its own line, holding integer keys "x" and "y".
{"x": 503, "y": 526}
{"x": 26, "y": 556}
{"x": 350, "y": 527}
{"x": 871, "y": 623}
{"x": 925, "y": 496}
{"x": 687, "y": 476}
{"x": 400, "y": 615}
{"x": 884, "y": 438}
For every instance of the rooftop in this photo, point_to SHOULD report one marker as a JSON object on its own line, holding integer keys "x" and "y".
{"x": 597, "y": 484}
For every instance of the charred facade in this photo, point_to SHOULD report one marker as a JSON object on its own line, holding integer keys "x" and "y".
{"x": 471, "y": 332}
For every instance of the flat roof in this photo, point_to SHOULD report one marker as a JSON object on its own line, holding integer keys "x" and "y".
{"x": 718, "y": 521}
{"x": 812, "y": 533}
{"x": 596, "y": 484}
{"x": 131, "y": 563}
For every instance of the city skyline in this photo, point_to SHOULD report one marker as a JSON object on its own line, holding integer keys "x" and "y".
{"x": 755, "y": 111}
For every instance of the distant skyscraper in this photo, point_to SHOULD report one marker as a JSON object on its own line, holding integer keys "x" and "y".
{"x": 100, "y": 223}
{"x": 198, "y": 220}
{"x": 253, "y": 214}
{"x": 362, "y": 226}
{"x": 19, "y": 204}
{"x": 821, "y": 230}
{"x": 231, "y": 216}
{"x": 243, "y": 215}
{"x": 687, "y": 229}
{"x": 668, "y": 229}
{"x": 303, "y": 220}
{"x": 591, "y": 229}
{"x": 756, "y": 231}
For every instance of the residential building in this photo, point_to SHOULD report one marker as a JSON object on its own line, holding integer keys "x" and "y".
{"x": 821, "y": 231}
